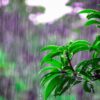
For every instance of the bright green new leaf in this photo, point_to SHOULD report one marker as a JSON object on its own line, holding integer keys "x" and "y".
{"x": 49, "y": 68}
{"x": 87, "y": 11}
{"x": 80, "y": 48}
{"x": 91, "y": 22}
{"x": 50, "y": 47}
{"x": 49, "y": 57}
{"x": 79, "y": 45}
{"x": 55, "y": 63}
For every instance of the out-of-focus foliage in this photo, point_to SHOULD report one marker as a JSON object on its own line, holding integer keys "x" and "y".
{"x": 2, "y": 98}
{"x": 4, "y": 63}
{"x": 5, "y": 70}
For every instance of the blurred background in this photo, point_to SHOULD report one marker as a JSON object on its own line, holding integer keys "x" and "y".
{"x": 28, "y": 25}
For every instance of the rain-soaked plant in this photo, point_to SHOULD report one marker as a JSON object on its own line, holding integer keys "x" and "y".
{"x": 93, "y": 17}
{"x": 60, "y": 75}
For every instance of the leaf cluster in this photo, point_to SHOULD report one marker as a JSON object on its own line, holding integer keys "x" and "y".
{"x": 58, "y": 73}
{"x": 93, "y": 17}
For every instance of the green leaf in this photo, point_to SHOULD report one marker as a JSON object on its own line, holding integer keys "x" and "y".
{"x": 55, "y": 63}
{"x": 46, "y": 78}
{"x": 49, "y": 68}
{"x": 49, "y": 57}
{"x": 84, "y": 65}
{"x": 88, "y": 87}
{"x": 95, "y": 55}
{"x": 20, "y": 86}
{"x": 91, "y": 22}
{"x": 94, "y": 15}
{"x": 87, "y": 11}
{"x": 76, "y": 82}
{"x": 97, "y": 67}
{"x": 49, "y": 88}
{"x": 46, "y": 58}
{"x": 96, "y": 44}
{"x": 50, "y": 47}
{"x": 2, "y": 98}
{"x": 67, "y": 85}
{"x": 86, "y": 75}
{"x": 80, "y": 48}
{"x": 98, "y": 26}
{"x": 80, "y": 66}
{"x": 79, "y": 45}
{"x": 60, "y": 86}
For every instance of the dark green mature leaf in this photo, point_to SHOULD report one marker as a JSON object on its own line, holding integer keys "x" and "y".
{"x": 48, "y": 77}
{"x": 93, "y": 15}
{"x": 97, "y": 67}
{"x": 88, "y": 87}
{"x": 76, "y": 82}
{"x": 84, "y": 64}
{"x": 86, "y": 75}
{"x": 91, "y": 22}
{"x": 87, "y": 11}
{"x": 45, "y": 78}
{"x": 51, "y": 86}
{"x": 67, "y": 85}
{"x": 98, "y": 26}
{"x": 60, "y": 86}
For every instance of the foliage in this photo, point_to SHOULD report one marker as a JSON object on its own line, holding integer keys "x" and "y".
{"x": 2, "y": 98}
{"x": 20, "y": 86}
{"x": 93, "y": 17}
{"x": 5, "y": 68}
{"x": 4, "y": 63}
{"x": 58, "y": 73}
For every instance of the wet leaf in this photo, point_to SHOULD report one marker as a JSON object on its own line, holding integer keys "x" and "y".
{"x": 88, "y": 87}
{"x": 49, "y": 68}
{"x": 87, "y": 11}
{"x": 91, "y": 22}
{"x": 50, "y": 87}
{"x": 50, "y": 47}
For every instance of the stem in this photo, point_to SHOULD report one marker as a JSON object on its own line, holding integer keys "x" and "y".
{"x": 67, "y": 55}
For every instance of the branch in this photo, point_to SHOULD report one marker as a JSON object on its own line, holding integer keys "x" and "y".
{"x": 69, "y": 61}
